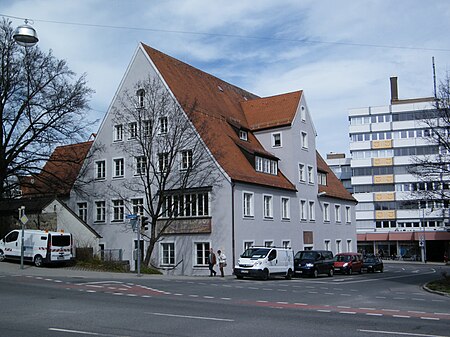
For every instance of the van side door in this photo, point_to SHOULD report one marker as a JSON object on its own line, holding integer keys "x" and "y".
{"x": 272, "y": 261}
{"x": 12, "y": 244}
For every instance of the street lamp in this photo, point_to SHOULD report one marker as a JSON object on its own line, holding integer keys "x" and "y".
{"x": 25, "y": 35}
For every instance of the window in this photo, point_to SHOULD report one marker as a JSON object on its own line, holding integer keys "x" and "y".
{"x": 82, "y": 210}
{"x": 118, "y": 210}
{"x": 304, "y": 139}
{"x": 187, "y": 205}
{"x": 310, "y": 175}
{"x": 147, "y": 128}
{"x": 337, "y": 213}
{"x": 322, "y": 178}
{"x": 201, "y": 253}
{"x": 167, "y": 254}
{"x": 140, "y": 98}
{"x": 303, "y": 113}
{"x": 247, "y": 204}
{"x": 312, "y": 211}
{"x": 286, "y": 244}
{"x": 349, "y": 245}
{"x": 248, "y": 244}
{"x": 186, "y": 159}
{"x": 302, "y": 209}
{"x": 268, "y": 207}
{"x": 137, "y": 206}
{"x": 163, "y": 125}
{"x": 338, "y": 247}
{"x": 268, "y": 243}
{"x": 132, "y": 129}
{"x": 141, "y": 165}
{"x": 243, "y": 135}
{"x": 348, "y": 214}
{"x": 119, "y": 167}
{"x": 118, "y": 132}
{"x": 258, "y": 164}
{"x": 326, "y": 212}
{"x": 100, "y": 169}
{"x": 276, "y": 139}
{"x": 100, "y": 211}
{"x": 163, "y": 162}
{"x": 285, "y": 208}
{"x": 266, "y": 165}
{"x": 302, "y": 172}
{"x": 327, "y": 244}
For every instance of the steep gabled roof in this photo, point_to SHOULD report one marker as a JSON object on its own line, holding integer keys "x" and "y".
{"x": 214, "y": 107}
{"x": 59, "y": 173}
{"x": 334, "y": 187}
{"x": 274, "y": 111}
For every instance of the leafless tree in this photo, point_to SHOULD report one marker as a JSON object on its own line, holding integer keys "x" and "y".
{"x": 433, "y": 170}
{"x": 42, "y": 105}
{"x": 172, "y": 166}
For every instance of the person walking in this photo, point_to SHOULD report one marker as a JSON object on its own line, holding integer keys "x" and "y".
{"x": 212, "y": 262}
{"x": 222, "y": 261}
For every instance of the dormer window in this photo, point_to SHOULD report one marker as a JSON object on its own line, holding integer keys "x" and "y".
{"x": 322, "y": 178}
{"x": 243, "y": 135}
{"x": 140, "y": 98}
{"x": 266, "y": 165}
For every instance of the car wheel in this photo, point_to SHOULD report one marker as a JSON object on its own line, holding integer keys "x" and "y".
{"x": 239, "y": 277}
{"x": 288, "y": 275}
{"x": 265, "y": 275}
{"x": 331, "y": 272}
{"x": 315, "y": 273}
{"x": 2, "y": 255}
{"x": 38, "y": 261}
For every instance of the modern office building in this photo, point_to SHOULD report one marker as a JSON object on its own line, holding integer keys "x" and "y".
{"x": 341, "y": 167}
{"x": 392, "y": 216}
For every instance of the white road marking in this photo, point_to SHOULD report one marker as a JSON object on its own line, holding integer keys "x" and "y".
{"x": 398, "y": 333}
{"x": 347, "y": 312}
{"x": 194, "y": 317}
{"x": 323, "y": 310}
{"x": 401, "y": 316}
{"x": 373, "y": 314}
{"x": 431, "y": 318}
{"x": 80, "y": 332}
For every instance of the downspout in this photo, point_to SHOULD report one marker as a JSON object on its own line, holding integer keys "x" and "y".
{"x": 233, "y": 243}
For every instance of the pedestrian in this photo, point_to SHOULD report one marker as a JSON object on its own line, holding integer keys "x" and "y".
{"x": 222, "y": 261}
{"x": 212, "y": 262}
{"x": 445, "y": 258}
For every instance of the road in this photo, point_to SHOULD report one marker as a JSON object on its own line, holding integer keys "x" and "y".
{"x": 59, "y": 302}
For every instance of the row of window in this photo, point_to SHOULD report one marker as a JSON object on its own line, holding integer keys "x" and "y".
{"x": 116, "y": 209}
{"x": 410, "y": 204}
{"x": 401, "y": 187}
{"x": 397, "y": 152}
{"x": 307, "y": 209}
{"x": 395, "y": 117}
{"x": 277, "y": 139}
{"x": 403, "y": 134}
{"x": 408, "y": 224}
{"x": 144, "y": 129}
{"x": 140, "y": 164}
{"x": 306, "y": 173}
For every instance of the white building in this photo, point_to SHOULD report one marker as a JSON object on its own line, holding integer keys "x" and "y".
{"x": 272, "y": 187}
{"x": 391, "y": 218}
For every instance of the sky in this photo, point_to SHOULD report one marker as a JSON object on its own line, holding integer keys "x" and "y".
{"x": 341, "y": 53}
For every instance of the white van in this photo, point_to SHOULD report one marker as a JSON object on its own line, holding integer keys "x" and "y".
{"x": 263, "y": 262}
{"x": 39, "y": 246}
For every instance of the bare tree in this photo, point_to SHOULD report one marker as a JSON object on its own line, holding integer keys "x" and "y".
{"x": 42, "y": 105}
{"x": 171, "y": 164}
{"x": 433, "y": 167}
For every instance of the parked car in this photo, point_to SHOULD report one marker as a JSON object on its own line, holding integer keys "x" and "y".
{"x": 264, "y": 262}
{"x": 372, "y": 263}
{"x": 347, "y": 263}
{"x": 314, "y": 262}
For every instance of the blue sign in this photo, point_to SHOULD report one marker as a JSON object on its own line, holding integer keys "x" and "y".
{"x": 131, "y": 216}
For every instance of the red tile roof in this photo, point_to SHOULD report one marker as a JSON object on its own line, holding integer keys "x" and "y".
{"x": 59, "y": 173}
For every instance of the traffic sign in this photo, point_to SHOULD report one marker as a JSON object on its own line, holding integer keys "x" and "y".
{"x": 131, "y": 216}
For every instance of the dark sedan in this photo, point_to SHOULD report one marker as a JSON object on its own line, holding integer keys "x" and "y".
{"x": 372, "y": 264}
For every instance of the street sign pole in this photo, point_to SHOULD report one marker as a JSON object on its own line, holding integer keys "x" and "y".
{"x": 139, "y": 246}
{"x": 22, "y": 219}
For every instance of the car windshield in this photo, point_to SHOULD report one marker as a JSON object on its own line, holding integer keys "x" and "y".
{"x": 342, "y": 258}
{"x": 306, "y": 255}
{"x": 261, "y": 252}
{"x": 249, "y": 252}
{"x": 370, "y": 259}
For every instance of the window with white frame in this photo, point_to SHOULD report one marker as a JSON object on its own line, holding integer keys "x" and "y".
{"x": 268, "y": 243}
{"x": 118, "y": 132}
{"x": 167, "y": 253}
{"x": 140, "y": 98}
{"x": 348, "y": 214}
{"x": 100, "y": 211}
{"x": 119, "y": 167}
{"x": 247, "y": 204}
{"x": 163, "y": 161}
{"x": 268, "y": 206}
{"x": 276, "y": 139}
{"x": 327, "y": 245}
{"x": 337, "y": 213}
{"x": 312, "y": 211}
{"x": 243, "y": 135}
{"x": 82, "y": 210}
{"x": 201, "y": 253}
{"x": 338, "y": 247}
{"x": 187, "y": 205}
{"x": 310, "y": 175}
{"x": 141, "y": 165}
{"x": 258, "y": 164}
{"x": 163, "y": 125}
{"x": 137, "y": 206}
{"x": 322, "y": 178}
{"x": 186, "y": 159}
{"x": 147, "y": 128}
{"x": 248, "y": 244}
{"x": 303, "y": 113}
{"x": 303, "y": 211}
{"x": 100, "y": 169}
{"x": 132, "y": 130}
{"x": 301, "y": 172}
{"x": 118, "y": 210}
{"x": 285, "y": 208}
{"x": 286, "y": 244}
{"x": 349, "y": 245}
{"x": 304, "y": 139}
{"x": 326, "y": 212}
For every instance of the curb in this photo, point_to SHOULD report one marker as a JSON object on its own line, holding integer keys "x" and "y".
{"x": 424, "y": 287}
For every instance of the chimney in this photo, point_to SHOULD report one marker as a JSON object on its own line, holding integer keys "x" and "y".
{"x": 394, "y": 89}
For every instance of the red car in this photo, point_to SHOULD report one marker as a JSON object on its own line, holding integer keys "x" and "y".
{"x": 347, "y": 263}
